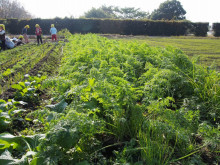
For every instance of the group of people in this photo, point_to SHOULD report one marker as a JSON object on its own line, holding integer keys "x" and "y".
{"x": 6, "y": 42}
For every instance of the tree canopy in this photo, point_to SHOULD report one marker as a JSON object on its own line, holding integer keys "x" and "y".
{"x": 13, "y": 9}
{"x": 96, "y": 13}
{"x": 170, "y": 9}
{"x": 116, "y": 12}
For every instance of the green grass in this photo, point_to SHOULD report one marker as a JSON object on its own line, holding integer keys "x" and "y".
{"x": 207, "y": 48}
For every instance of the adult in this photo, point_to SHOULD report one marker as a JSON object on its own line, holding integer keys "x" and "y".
{"x": 24, "y": 32}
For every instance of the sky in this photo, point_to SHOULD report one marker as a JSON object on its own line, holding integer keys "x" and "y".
{"x": 197, "y": 10}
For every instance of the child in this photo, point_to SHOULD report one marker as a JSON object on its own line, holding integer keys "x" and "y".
{"x": 20, "y": 40}
{"x": 9, "y": 43}
{"x": 24, "y": 32}
{"x": 38, "y": 32}
{"x": 2, "y": 36}
{"x": 53, "y": 32}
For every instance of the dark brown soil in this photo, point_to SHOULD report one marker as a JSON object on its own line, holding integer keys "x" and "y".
{"x": 209, "y": 157}
{"x": 7, "y": 94}
{"x": 34, "y": 71}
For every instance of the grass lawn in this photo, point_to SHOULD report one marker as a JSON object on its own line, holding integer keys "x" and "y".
{"x": 207, "y": 48}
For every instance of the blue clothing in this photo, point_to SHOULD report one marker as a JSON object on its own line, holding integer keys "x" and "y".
{"x": 53, "y": 30}
{"x": 9, "y": 44}
{"x": 24, "y": 31}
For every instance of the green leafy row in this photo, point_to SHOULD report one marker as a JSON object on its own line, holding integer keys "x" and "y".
{"x": 30, "y": 57}
{"x": 154, "y": 103}
{"x": 8, "y": 57}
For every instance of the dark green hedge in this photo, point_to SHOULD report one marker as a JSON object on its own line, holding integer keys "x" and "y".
{"x": 200, "y": 29}
{"x": 109, "y": 26}
{"x": 216, "y": 29}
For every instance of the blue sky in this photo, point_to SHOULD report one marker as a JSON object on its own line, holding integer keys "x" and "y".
{"x": 197, "y": 10}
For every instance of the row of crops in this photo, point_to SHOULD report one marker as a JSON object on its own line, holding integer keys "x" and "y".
{"x": 29, "y": 59}
{"x": 100, "y": 101}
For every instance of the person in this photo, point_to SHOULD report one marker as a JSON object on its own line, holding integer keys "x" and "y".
{"x": 2, "y": 36}
{"x": 53, "y": 32}
{"x": 38, "y": 32}
{"x": 8, "y": 43}
{"x": 15, "y": 41}
{"x": 24, "y": 32}
{"x": 20, "y": 40}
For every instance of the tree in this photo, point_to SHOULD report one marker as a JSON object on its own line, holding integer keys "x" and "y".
{"x": 170, "y": 9}
{"x": 109, "y": 10}
{"x": 13, "y": 9}
{"x": 131, "y": 13}
{"x": 116, "y": 12}
{"x": 96, "y": 13}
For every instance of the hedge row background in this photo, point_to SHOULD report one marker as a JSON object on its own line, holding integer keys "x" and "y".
{"x": 216, "y": 29}
{"x": 109, "y": 26}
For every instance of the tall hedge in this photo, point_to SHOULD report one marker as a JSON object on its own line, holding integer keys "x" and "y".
{"x": 110, "y": 26}
{"x": 216, "y": 29}
{"x": 200, "y": 29}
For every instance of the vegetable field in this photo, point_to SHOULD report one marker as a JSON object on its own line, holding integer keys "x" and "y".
{"x": 93, "y": 100}
{"x": 206, "y": 49}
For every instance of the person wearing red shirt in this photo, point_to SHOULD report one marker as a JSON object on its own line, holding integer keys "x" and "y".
{"x": 38, "y": 33}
